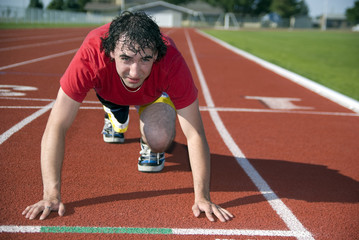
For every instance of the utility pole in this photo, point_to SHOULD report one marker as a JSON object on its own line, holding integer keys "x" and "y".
{"x": 122, "y": 5}
{"x": 325, "y": 15}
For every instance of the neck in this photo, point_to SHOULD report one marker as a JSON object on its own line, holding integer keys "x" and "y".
{"x": 131, "y": 89}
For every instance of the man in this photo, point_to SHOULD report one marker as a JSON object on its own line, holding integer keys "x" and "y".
{"x": 129, "y": 63}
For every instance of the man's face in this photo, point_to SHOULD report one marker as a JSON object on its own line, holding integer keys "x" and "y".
{"x": 133, "y": 67}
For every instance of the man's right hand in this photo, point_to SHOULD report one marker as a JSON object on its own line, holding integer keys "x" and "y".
{"x": 44, "y": 206}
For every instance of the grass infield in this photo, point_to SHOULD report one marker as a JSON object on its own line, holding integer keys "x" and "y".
{"x": 330, "y": 58}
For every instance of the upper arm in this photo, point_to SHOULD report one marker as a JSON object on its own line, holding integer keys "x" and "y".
{"x": 190, "y": 120}
{"x": 63, "y": 112}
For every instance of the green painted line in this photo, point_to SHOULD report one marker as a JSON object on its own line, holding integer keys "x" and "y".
{"x": 58, "y": 229}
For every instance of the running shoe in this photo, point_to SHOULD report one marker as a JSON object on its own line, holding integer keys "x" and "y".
{"x": 150, "y": 161}
{"x": 109, "y": 134}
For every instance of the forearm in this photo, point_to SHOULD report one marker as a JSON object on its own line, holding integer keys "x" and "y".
{"x": 52, "y": 154}
{"x": 200, "y": 163}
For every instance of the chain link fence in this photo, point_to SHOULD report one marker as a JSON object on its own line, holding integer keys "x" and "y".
{"x": 35, "y": 15}
{"x": 226, "y": 21}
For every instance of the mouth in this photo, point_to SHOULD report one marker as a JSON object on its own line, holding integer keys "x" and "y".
{"x": 133, "y": 80}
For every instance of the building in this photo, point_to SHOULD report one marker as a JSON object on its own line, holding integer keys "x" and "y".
{"x": 166, "y": 14}
{"x": 104, "y": 7}
{"x": 332, "y": 21}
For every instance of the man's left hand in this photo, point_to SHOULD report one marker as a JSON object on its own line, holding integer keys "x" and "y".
{"x": 209, "y": 209}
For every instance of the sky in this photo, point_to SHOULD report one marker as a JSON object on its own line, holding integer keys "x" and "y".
{"x": 316, "y": 7}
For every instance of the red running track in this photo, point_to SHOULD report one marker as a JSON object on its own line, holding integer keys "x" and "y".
{"x": 301, "y": 155}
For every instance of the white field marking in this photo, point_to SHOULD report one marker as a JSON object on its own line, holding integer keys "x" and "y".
{"x": 239, "y": 232}
{"x": 279, "y": 103}
{"x": 40, "y": 44}
{"x": 22, "y": 38}
{"x": 321, "y": 90}
{"x": 20, "y": 229}
{"x": 24, "y": 122}
{"x": 38, "y": 59}
{"x": 278, "y": 206}
{"x": 178, "y": 231}
{"x": 41, "y": 99}
{"x": 202, "y": 108}
{"x": 219, "y": 109}
{"x": 4, "y": 91}
{"x": 28, "y": 99}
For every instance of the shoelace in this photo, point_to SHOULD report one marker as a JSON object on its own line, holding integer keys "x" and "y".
{"x": 146, "y": 153}
{"x": 107, "y": 128}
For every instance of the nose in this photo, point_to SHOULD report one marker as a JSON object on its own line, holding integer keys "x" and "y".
{"x": 135, "y": 70}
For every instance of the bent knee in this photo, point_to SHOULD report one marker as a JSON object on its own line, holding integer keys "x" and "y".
{"x": 159, "y": 140}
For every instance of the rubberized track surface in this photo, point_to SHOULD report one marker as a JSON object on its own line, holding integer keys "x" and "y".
{"x": 284, "y": 159}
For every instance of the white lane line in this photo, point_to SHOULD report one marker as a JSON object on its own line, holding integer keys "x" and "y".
{"x": 38, "y": 59}
{"x": 173, "y": 231}
{"x": 321, "y": 90}
{"x": 22, "y": 38}
{"x": 28, "y": 99}
{"x": 202, "y": 108}
{"x": 20, "y": 229}
{"x": 238, "y": 232}
{"x": 278, "y": 206}
{"x": 24, "y": 122}
{"x": 40, "y": 44}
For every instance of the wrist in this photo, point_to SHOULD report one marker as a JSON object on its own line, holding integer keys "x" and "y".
{"x": 202, "y": 196}
{"x": 51, "y": 193}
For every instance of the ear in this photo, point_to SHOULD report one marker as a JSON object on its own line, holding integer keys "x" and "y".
{"x": 112, "y": 55}
{"x": 155, "y": 56}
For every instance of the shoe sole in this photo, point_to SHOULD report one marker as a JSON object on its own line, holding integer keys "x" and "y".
{"x": 151, "y": 169}
{"x": 113, "y": 140}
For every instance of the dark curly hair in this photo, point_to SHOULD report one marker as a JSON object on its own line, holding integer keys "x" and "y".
{"x": 139, "y": 32}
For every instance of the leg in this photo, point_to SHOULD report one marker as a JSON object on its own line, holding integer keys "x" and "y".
{"x": 157, "y": 126}
{"x": 116, "y": 121}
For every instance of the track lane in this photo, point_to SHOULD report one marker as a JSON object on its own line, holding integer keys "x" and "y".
{"x": 305, "y": 139}
{"x": 100, "y": 202}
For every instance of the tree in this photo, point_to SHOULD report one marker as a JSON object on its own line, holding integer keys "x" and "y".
{"x": 56, "y": 5}
{"x": 177, "y": 2}
{"x": 36, "y": 4}
{"x": 352, "y": 14}
{"x": 289, "y": 8}
{"x": 261, "y": 7}
{"x": 82, "y": 4}
{"x": 303, "y": 9}
{"x": 71, "y": 5}
{"x": 68, "y": 5}
{"x": 243, "y": 7}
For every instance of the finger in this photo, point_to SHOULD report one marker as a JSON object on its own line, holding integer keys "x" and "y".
{"x": 62, "y": 209}
{"x": 218, "y": 213}
{"x": 196, "y": 211}
{"x": 34, "y": 212}
{"x": 227, "y": 212}
{"x": 209, "y": 215}
{"x": 46, "y": 212}
{"x": 26, "y": 210}
{"x": 228, "y": 216}
{"x": 30, "y": 210}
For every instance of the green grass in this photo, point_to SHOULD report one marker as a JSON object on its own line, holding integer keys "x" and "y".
{"x": 45, "y": 25}
{"x": 330, "y": 58}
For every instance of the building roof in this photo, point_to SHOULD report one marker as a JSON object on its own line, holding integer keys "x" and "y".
{"x": 203, "y": 7}
{"x": 163, "y": 4}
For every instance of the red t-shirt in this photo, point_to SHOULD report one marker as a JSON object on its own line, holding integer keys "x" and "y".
{"x": 92, "y": 69}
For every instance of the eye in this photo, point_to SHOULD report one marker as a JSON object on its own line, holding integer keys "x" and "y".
{"x": 124, "y": 58}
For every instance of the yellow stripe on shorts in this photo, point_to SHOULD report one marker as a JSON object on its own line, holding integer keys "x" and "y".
{"x": 164, "y": 98}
